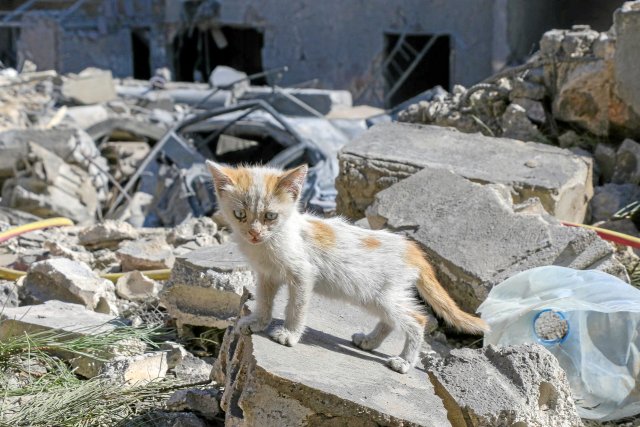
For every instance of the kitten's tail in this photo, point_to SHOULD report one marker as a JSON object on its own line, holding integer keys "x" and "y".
{"x": 433, "y": 293}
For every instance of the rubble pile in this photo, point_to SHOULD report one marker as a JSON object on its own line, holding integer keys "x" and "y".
{"x": 577, "y": 92}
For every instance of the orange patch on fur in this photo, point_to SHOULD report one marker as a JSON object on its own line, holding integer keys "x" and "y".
{"x": 241, "y": 178}
{"x": 416, "y": 258}
{"x": 322, "y": 234}
{"x": 271, "y": 183}
{"x": 371, "y": 242}
{"x": 420, "y": 318}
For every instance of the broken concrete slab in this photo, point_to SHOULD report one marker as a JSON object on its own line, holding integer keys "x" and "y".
{"x": 495, "y": 386}
{"x": 201, "y": 230}
{"x": 69, "y": 281}
{"x": 323, "y": 377}
{"x": 560, "y": 179}
{"x": 107, "y": 234}
{"x": 90, "y": 86}
{"x": 475, "y": 239}
{"x": 206, "y": 286}
{"x": 202, "y": 402}
{"x": 145, "y": 254}
{"x": 135, "y": 286}
{"x": 136, "y": 370}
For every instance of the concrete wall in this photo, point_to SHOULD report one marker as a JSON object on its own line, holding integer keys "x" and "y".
{"x": 338, "y": 40}
{"x": 81, "y": 49}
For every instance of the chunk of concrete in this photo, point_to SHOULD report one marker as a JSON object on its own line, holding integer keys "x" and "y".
{"x": 503, "y": 386}
{"x": 324, "y": 377}
{"x": 136, "y": 370}
{"x": 626, "y": 24}
{"x": 627, "y": 168}
{"x": 192, "y": 369}
{"x": 390, "y": 152}
{"x": 206, "y": 286}
{"x": 476, "y": 240}
{"x": 201, "y": 230}
{"x": 176, "y": 353}
{"x": 75, "y": 321}
{"x": 135, "y": 286}
{"x": 145, "y": 254}
{"x": 90, "y": 86}
{"x": 202, "y": 402}
{"x": 107, "y": 234}
{"x": 69, "y": 281}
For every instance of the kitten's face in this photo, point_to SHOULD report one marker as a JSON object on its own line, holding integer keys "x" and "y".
{"x": 257, "y": 201}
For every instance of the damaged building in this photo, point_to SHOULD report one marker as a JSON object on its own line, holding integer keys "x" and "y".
{"x": 382, "y": 52}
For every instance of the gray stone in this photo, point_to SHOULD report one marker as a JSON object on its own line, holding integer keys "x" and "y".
{"x": 135, "y": 286}
{"x": 200, "y": 230}
{"x": 192, "y": 369}
{"x": 515, "y": 124}
{"x": 561, "y": 180}
{"x": 136, "y": 370}
{"x": 69, "y": 281}
{"x": 175, "y": 353}
{"x": 534, "y": 109}
{"x": 605, "y": 157}
{"x": 206, "y": 286}
{"x": 627, "y": 169}
{"x": 610, "y": 198}
{"x": 324, "y": 377}
{"x": 145, "y": 254}
{"x": 474, "y": 237}
{"x": 90, "y": 86}
{"x": 202, "y": 402}
{"x": 107, "y": 234}
{"x": 503, "y": 386}
{"x": 8, "y": 294}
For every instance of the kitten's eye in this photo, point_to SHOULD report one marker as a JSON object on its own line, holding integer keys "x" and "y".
{"x": 240, "y": 213}
{"x": 271, "y": 216}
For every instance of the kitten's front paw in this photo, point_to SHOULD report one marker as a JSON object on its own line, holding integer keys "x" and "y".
{"x": 398, "y": 364}
{"x": 252, "y": 324}
{"x": 285, "y": 336}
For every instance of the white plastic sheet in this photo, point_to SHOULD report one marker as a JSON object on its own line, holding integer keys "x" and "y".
{"x": 600, "y": 350}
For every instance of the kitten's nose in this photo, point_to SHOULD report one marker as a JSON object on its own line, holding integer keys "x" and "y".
{"x": 254, "y": 234}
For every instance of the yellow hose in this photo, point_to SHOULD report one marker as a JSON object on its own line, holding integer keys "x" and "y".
{"x": 38, "y": 225}
{"x": 11, "y": 274}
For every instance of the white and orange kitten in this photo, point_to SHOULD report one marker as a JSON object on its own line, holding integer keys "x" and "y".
{"x": 377, "y": 270}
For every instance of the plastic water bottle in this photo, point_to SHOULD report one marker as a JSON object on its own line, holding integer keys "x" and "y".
{"x": 588, "y": 319}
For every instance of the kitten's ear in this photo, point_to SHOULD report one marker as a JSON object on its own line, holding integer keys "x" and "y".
{"x": 220, "y": 178}
{"x": 292, "y": 180}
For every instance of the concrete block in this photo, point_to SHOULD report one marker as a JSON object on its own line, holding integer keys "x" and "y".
{"x": 390, "y": 152}
{"x": 107, "y": 234}
{"x": 474, "y": 237}
{"x": 145, "y": 254}
{"x": 202, "y": 402}
{"x": 90, "y": 86}
{"x": 503, "y": 386}
{"x": 69, "y": 281}
{"x": 206, "y": 286}
{"x": 135, "y": 286}
{"x": 324, "y": 377}
{"x": 627, "y": 168}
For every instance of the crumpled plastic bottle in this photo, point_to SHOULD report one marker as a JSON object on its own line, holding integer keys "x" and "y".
{"x": 588, "y": 319}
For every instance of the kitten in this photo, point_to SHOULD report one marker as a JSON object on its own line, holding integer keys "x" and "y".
{"x": 377, "y": 270}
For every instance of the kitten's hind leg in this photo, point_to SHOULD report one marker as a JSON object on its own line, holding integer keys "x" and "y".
{"x": 374, "y": 338}
{"x": 412, "y": 324}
